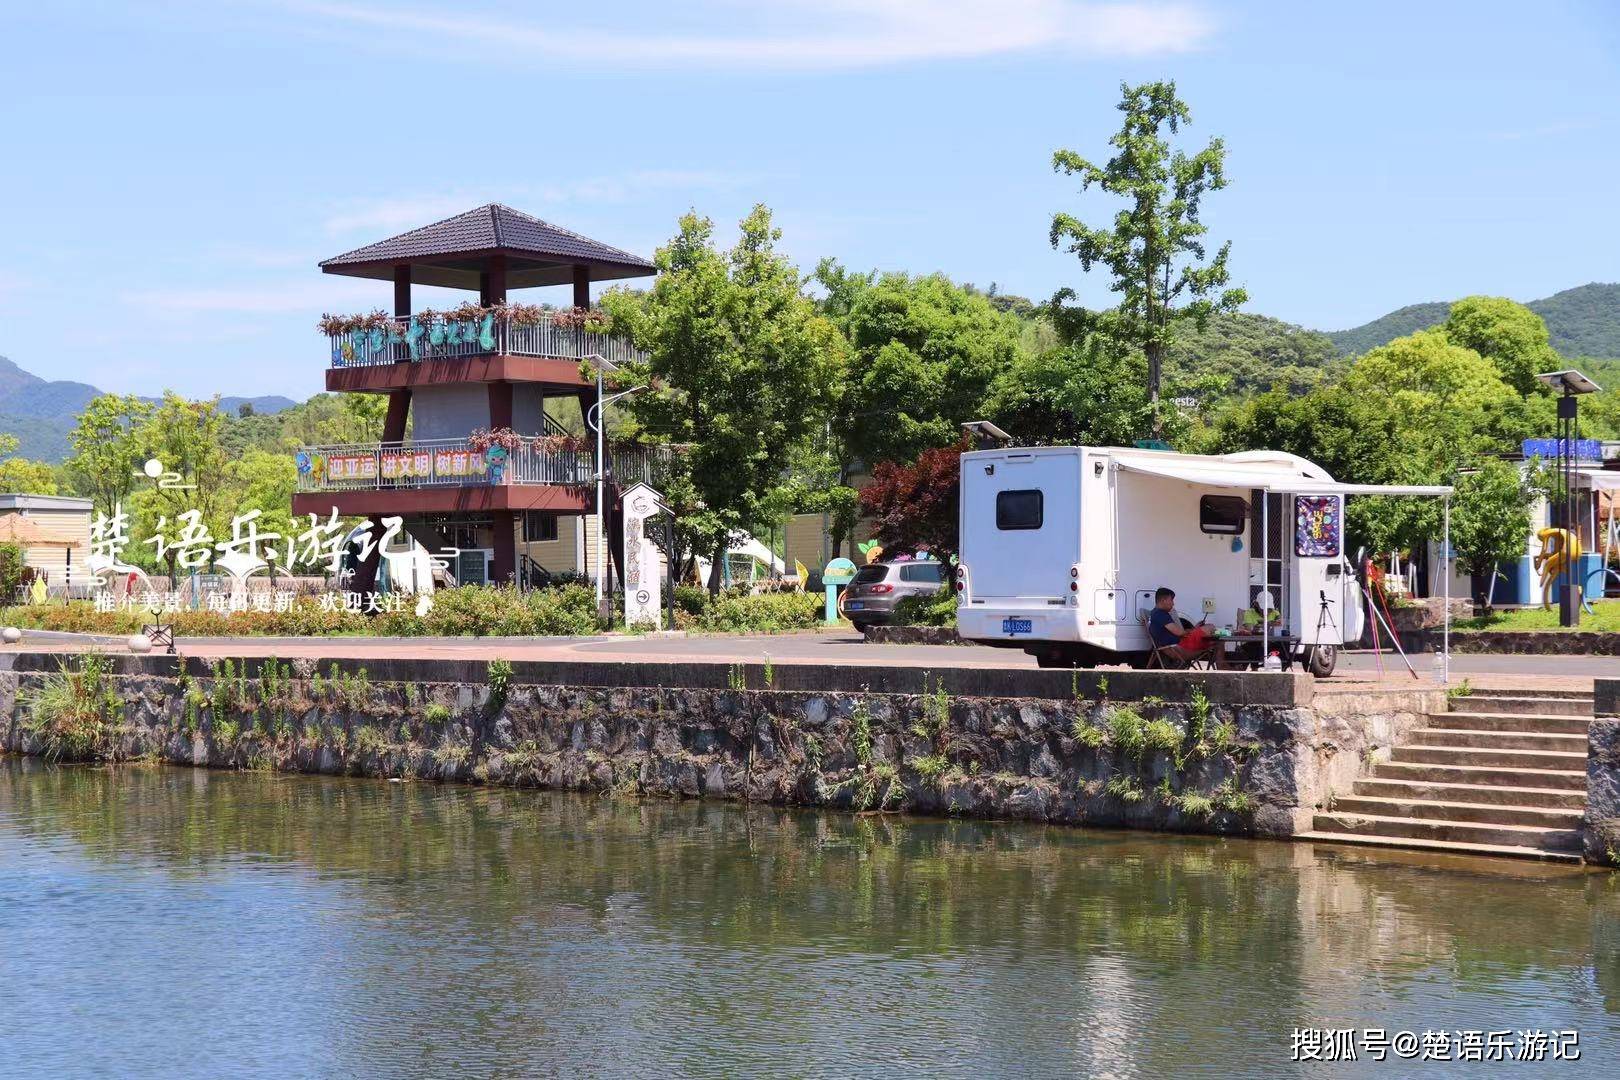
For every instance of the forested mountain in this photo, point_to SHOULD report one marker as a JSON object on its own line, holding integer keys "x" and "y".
{"x": 1583, "y": 321}
{"x": 41, "y": 412}
{"x": 1253, "y": 352}
{"x": 1386, "y": 328}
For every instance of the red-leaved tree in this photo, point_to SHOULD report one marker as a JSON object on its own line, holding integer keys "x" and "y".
{"x": 914, "y": 507}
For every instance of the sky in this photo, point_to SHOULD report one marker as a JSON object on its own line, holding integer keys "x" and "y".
{"x": 174, "y": 171}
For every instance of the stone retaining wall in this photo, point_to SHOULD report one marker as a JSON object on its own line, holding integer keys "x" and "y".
{"x": 1213, "y": 752}
{"x": 1603, "y": 775}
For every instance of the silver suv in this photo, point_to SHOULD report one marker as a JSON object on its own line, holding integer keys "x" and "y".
{"x": 876, "y": 588}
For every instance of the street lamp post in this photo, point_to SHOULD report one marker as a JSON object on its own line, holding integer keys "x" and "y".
{"x": 1571, "y": 385}
{"x": 596, "y": 418}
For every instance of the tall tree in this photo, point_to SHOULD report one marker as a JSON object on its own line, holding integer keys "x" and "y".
{"x": 737, "y": 362}
{"x": 186, "y": 437}
{"x": 924, "y": 351}
{"x": 109, "y": 447}
{"x": 1154, "y": 248}
{"x": 1509, "y": 335}
{"x": 1490, "y": 519}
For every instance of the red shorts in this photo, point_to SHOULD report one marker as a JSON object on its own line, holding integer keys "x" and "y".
{"x": 1195, "y": 640}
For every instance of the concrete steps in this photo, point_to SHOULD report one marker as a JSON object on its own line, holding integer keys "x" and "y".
{"x": 1474, "y": 757}
{"x": 1489, "y": 739}
{"x": 1560, "y": 702}
{"x": 1504, "y": 774}
{"x": 1466, "y": 832}
{"x": 1446, "y": 847}
{"x": 1489, "y": 794}
{"x": 1547, "y": 817}
{"x": 1553, "y": 724}
{"x": 1484, "y": 775}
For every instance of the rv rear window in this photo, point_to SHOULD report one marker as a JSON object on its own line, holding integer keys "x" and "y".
{"x": 1222, "y": 514}
{"x": 1019, "y": 509}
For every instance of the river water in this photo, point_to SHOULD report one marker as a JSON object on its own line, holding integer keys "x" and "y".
{"x": 172, "y": 922}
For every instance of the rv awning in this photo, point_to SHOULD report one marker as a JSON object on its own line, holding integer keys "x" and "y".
{"x": 1599, "y": 481}
{"x": 1249, "y": 476}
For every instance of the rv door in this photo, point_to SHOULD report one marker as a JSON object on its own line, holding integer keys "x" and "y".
{"x": 1021, "y": 526}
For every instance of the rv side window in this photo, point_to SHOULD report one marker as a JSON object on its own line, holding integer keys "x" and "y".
{"x": 1223, "y": 514}
{"x": 1019, "y": 509}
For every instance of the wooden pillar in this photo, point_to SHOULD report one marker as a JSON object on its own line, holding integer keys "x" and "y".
{"x": 500, "y": 405}
{"x": 402, "y": 290}
{"x": 399, "y": 407}
{"x": 492, "y": 281}
{"x": 503, "y": 562}
{"x": 582, "y": 286}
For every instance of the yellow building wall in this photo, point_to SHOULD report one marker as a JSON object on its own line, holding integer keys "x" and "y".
{"x": 52, "y": 559}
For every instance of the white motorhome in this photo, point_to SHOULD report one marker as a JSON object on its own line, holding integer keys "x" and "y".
{"x": 1063, "y": 548}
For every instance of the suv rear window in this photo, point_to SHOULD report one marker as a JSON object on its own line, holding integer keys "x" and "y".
{"x": 1019, "y": 509}
{"x": 927, "y": 571}
{"x": 866, "y": 575}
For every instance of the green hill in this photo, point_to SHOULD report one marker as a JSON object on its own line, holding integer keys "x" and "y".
{"x": 1583, "y": 321}
{"x": 41, "y": 412}
{"x": 1398, "y": 323}
{"x": 1252, "y": 352}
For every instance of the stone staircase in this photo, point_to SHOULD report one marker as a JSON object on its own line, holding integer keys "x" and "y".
{"x": 1501, "y": 773}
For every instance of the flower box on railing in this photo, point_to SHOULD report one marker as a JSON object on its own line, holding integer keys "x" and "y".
{"x": 470, "y": 330}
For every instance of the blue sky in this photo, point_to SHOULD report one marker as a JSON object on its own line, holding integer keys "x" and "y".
{"x": 174, "y": 171}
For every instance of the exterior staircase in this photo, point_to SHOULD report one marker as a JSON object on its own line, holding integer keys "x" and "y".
{"x": 1501, "y": 773}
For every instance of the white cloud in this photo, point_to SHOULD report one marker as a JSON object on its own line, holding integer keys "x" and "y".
{"x": 799, "y": 35}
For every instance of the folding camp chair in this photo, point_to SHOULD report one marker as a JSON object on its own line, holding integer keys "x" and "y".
{"x": 1169, "y": 658}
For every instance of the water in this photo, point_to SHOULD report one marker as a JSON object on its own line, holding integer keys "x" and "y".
{"x": 176, "y": 923}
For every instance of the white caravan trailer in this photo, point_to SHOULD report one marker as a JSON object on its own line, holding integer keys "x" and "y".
{"x": 1063, "y": 548}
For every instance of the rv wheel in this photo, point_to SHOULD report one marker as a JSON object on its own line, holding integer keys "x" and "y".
{"x": 1323, "y": 660}
{"x": 1068, "y": 656}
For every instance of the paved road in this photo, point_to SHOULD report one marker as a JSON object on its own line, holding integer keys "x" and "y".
{"x": 841, "y": 647}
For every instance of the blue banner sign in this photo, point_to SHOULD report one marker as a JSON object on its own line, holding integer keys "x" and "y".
{"x": 1581, "y": 449}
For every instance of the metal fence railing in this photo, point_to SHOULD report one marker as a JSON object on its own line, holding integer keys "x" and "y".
{"x": 455, "y": 463}
{"x": 416, "y": 339}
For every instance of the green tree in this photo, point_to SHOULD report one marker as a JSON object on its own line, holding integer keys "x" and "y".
{"x": 264, "y": 480}
{"x": 186, "y": 437}
{"x": 1454, "y": 402}
{"x": 923, "y": 354}
{"x": 1087, "y": 393}
{"x": 1490, "y": 521}
{"x": 24, "y": 477}
{"x": 737, "y": 362}
{"x": 109, "y": 448}
{"x": 1509, "y": 335}
{"x": 1154, "y": 248}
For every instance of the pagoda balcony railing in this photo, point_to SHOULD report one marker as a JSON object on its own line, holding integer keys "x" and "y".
{"x": 427, "y": 463}
{"x": 401, "y": 340}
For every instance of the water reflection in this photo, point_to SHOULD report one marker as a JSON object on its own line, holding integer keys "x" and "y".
{"x": 181, "y": 922}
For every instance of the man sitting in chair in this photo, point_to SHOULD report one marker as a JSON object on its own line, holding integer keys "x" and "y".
{"x": 1175, "y": 636}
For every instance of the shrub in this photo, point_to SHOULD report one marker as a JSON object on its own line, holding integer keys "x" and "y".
{"x": 765, "y": 613}
{"x": 564, "y": 578}
{"x": 690, "y": 599}
{"x": 11, "y": 569}
{"x": 938, "y": 609}
{"x": 70, "y": 711}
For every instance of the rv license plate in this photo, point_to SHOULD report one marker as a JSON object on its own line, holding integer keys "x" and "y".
{"x": 1017, "y": 626}
{"x": 853, "y": 605}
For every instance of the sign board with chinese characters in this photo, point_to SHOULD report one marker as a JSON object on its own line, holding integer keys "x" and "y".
{"x": 642, "y": 576}
{"x": 1580, "y": 449}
